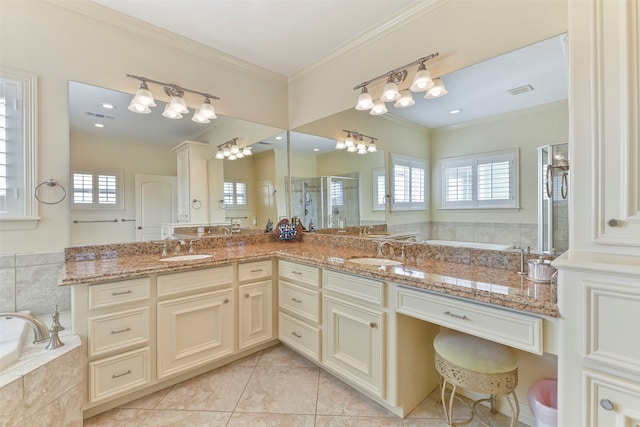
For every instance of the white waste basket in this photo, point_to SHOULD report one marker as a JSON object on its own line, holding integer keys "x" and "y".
{"x": 543, "y": 400}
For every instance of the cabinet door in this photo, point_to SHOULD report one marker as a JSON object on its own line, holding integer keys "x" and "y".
{"x": 353, "y": 343}
{"x": 255, "y": 313}
{"x": 194, "y": 330}
{"x": 611, "y": 401}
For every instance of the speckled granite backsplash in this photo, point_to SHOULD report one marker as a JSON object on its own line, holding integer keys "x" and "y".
{"x": 508, "y": 260}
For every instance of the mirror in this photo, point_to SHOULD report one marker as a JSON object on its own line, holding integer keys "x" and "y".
{"x": 139, "y": 152}
{"x": 515, "y": 101}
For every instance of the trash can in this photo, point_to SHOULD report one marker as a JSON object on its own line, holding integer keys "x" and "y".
{"x": 543, "y": 401}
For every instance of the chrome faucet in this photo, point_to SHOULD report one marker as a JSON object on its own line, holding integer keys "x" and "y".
{"x": 224, "y": 230}
{"x": 367, "y": 229}
{"x": 40, "y": 330}
{"x": 384, "y": 244}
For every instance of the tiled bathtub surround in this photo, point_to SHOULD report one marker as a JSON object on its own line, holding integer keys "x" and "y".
{"x": 30, "y": 282}
{"x": 44, "y": 387}
{"x": 516, "y": 234}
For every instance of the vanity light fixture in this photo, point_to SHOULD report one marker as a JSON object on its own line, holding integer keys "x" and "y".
{"x": 143, "y": 101}
{"x": 230, "y": 150}
{"x": 354, "y": 143}
{"x": 422, "y": 82}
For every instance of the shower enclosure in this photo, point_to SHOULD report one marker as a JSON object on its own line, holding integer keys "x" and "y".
{"x": 326, "y": 200}
{"x": 553, "y": 198}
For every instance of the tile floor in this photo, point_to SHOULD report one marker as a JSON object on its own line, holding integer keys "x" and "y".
{"x": 274, "y": 387}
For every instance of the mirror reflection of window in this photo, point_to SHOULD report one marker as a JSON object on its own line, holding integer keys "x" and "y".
{"x": 96, "y": 189}
{"x": 487, "y": 180}
{"x": 337, "y": 193}
{"x": 235, "y": 194}
{"x": 409, "y": 183}
{"x": 379, "y": 189}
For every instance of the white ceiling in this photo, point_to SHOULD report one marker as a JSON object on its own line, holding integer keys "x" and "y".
{"x": 280, "y": 35}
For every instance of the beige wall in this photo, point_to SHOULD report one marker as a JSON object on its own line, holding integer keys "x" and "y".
{"x": 57, "y": 43}
{"x": 526, "y": 131}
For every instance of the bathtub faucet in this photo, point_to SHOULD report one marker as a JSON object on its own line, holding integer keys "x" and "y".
{"x": 40, "y": 330}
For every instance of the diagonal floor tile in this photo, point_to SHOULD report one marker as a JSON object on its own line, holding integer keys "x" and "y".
{"x": 118, "y": 418}
{"x": 187, "y": 419}
{"x": 270, "y": 420}
{"x": 342, "y": 421}
{"x": 282, "y": 390}
{"x": 218, "y": 390}
{"x": 149, "y": 401}
{"x": 338, "y": 398}
{"x": 281, "y": 355}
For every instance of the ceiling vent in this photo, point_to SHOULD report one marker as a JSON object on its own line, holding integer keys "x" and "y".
{"x": 521, "y": 89}
{"x": 100, "y": 115}
{"x": 265, "y": 143}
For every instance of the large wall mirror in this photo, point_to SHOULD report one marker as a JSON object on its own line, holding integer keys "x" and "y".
{"x": 124, "y": 169}
{"x": 516, "y": 102}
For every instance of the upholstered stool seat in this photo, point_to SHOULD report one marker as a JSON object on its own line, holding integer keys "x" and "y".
{"x": 478, "y": 365}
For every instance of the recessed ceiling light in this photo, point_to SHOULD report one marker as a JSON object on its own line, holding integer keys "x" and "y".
{"x": 316, "y": 149}
{"x": 98, "y": 125}
{"x": 455, "y": 111}
{"x": 278, "y": 137}
{"x": 107, "y": 106}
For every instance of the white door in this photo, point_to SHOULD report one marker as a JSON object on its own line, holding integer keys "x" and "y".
{"x": 156, "y": 201}
{"x": 266, "y": 202}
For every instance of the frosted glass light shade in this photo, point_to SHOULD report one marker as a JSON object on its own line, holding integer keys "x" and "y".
{"x": 422, "y": 80}
{"x": 365, "y": 102}
{"x": 246, "y": 151}
{"x": 138, "y": 108}
{"x": 170, "y": 114}
{"x": 206, "y": 109}
{"x": 340, "y": 145}
{"x": 406, "y": 100}
{"x": 390, "y": 92}
{"x": 144, "y": 96}
{"x": 178, "y": 105}
{"x": 437, "y": 90}
{"x": 219, "y": 154}
{"x": 348, "y": 142}
{"x": 378, "y": 108}
{"x": 199, "y": 118}
{"x": 372, "y": 147}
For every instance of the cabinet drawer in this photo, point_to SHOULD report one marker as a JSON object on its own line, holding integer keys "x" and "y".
{"x": 502, "y": 326}
{"x": 611, "y": 309}
{"x": 254, "y": 270}
{"x": 191, "y": 281}
{"x": 115, "y": 293}
{"x": 115, "y": 376}
{"x": 118, "y": 331}
{"x": 365, "y": 289}
{"x": 302, "y": 336}
{"x": 300, "y": 272}
{"x": 301, "y": 301}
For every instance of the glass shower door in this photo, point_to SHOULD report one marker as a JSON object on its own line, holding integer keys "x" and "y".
{"x": 553, "y": 198}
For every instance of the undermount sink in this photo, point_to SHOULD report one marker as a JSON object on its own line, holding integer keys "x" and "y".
{"x": 375, "y": 261}
{"x": 191, "y": 257}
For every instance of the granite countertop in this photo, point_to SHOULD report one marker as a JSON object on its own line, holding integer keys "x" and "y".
{"x": 498, "y": 286}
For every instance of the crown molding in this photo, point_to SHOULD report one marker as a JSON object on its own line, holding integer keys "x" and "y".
{"x": 405, "y": 15}
{"x": 143, "y": 29}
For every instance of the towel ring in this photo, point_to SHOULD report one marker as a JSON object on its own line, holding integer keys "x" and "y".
{"x": 50, "y": 183}
{"x": 196, "y": 204}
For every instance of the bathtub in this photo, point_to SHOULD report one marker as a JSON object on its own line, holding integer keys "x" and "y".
{"x": 472, "y": 245}
{"x": 13, "y": 334}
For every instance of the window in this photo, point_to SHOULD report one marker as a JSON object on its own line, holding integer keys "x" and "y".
{"x": 480, "y": 181}
{"x": 337, "y": 193}
{"x": 408, "y": 184}
{"x": 97, "y": 190}
{"x": 18, "y": 209}
{"x": 379, "y": 189}
{"x": 235, "y": 194}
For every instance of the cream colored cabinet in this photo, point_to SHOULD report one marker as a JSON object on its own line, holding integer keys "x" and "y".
{"x": 255, "y": 312}
{"x": 115, "y": 318}
{"x": 196, "y": 328}
{"x": 193, "y": 185}
{"x": 299, "y": 301}
{"x": 599, "y": 340}
{"x": 354, "y": 329}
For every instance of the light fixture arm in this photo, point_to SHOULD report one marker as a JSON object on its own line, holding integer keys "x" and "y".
{"x": 397, "y": 73}
{"x": 172, "y": 88}
{"x": 229, "y": 142}
{"x": 358, "y": 134}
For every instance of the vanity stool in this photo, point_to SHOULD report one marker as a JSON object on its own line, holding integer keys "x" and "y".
{"x": 478, "y": 365}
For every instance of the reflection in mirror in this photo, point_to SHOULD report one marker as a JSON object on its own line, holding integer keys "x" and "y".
{"x": 136, "y": 173}
{"x": 517, "y": 101}
{"x": 334, "y": 188}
